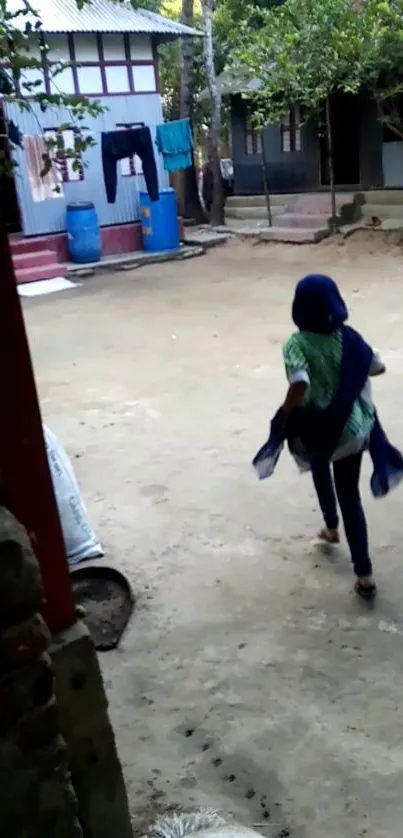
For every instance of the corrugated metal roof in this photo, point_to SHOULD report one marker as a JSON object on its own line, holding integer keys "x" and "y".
{"x": 230, "y": 85}
{"x": 99, "y": 16}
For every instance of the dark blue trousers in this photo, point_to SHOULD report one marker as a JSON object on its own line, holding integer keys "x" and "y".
{"x": 346, "y": 483}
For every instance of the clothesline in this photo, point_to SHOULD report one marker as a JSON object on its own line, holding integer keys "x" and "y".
{"x": 174, "y": 141}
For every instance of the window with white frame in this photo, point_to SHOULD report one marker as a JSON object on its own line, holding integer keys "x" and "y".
{"x": 130, "y": 166}
{"x": 253, "y": 137}
{"x": 63, "y": 149}
{"x": 291, "y": 131}
{"x": 104, "y": 64}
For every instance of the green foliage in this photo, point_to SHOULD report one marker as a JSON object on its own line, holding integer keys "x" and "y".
{"x": 302, "y": 53}
{"x": 170, "y": 80}
{"x": 383, "y": 20}
{"x": 23, "y": 48}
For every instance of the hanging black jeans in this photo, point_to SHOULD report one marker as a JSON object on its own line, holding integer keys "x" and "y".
{"x": 117, "y": 145}
{"x": 346, "y": 482}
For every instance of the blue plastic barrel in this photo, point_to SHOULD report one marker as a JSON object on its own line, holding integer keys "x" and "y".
{"x": 159, "y": 221}
{"x": 83, "y": 233}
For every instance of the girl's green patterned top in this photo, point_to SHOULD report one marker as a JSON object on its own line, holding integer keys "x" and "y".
{"x": 316, "y": 360}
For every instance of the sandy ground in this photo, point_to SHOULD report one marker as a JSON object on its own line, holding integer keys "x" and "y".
{"x": 250, "y": 678}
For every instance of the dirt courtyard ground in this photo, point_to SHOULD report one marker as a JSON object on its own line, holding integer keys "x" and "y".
{"x": 250, "y": 679}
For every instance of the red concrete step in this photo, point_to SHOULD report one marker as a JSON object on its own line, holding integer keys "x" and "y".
{"x": 34, "y": 259}
{"x": 28, "y": 245}
{"x": 33, "y": 274}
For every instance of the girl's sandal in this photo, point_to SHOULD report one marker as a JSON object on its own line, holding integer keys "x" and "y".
{"x": 367, "y": 592}
{"x": 329, "y": 536}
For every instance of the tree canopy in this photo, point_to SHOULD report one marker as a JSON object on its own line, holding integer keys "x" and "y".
{"x": 303, "y": 52}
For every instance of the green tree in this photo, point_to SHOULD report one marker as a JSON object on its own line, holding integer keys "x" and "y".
{"x": 217, "y": 210}
{"x": 302, "y": 53}
{"x": 382, "y": 27}
{"x": 23, "y": 49}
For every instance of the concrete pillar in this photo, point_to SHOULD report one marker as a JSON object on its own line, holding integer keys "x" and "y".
{"x": 60, "y": 772}
{"x": 37, "y": 796}
{"x": 96, "y": 771}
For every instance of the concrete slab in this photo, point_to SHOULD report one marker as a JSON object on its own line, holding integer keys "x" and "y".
{"x": 253, "y": 213}
{"x": 132, "y": 260}
{"x": 258, "y": 200}
{"x": 392, "y": 224}
{"x": 295, "y": 235}
{"x": 387, "y": 225}
{"x": 206, "y": 237}
{"x": 290, "y": 235}
{"x": 384, "y": 196}
{"x": 83, "y": 710}
{"x": 306, "y": 221}
{"x": 383, "y": 211}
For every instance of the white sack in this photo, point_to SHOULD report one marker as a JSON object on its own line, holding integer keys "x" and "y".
{"x": 79, "y": 537}
{"x": 207, "y": 824}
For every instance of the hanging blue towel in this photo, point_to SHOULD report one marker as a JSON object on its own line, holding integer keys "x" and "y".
{"x": 175, "y": 143}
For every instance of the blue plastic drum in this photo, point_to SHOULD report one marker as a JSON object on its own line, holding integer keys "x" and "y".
{"x": 159, "y": 221}
{"x": 83, "y": 233}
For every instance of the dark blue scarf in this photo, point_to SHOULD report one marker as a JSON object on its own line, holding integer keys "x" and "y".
{"x": 318, "y": 305}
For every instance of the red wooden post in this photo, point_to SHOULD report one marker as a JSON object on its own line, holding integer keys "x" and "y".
{"x": 25, "y": 478}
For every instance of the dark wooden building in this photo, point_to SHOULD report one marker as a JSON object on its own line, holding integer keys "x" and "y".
{"x": 365, "y": 156}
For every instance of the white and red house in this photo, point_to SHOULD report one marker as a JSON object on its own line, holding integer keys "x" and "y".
{"x": 111, "y": 50}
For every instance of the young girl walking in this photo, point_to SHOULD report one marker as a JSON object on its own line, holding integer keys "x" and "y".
{"x": 328, "y": 417}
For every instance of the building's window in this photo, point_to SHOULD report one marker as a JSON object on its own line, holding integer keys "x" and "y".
{"x": 62, "y": 148}
{"x": 253, "y": 137}
{"x": 144, "y": 78}
{"x": 101, "y": 65}
{"x": 130, "y": 166}
{"x": 291, "y": 131}
{"x": 89, "y": 80}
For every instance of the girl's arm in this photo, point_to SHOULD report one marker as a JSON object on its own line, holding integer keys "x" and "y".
{"x": 297, "y": 371}
{"x": 294, "y": 398}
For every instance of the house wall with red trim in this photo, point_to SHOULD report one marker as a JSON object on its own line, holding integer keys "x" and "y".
{"x": 121, "y": 71}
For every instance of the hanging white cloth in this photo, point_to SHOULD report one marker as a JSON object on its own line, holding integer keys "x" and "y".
{"x": 46, "y": 186}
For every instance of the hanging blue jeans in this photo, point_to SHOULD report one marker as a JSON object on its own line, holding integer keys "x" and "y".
{"x": 346, "y": 481}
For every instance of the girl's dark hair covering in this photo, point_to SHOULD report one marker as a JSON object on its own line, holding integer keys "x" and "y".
{"x": 318, "y": 305}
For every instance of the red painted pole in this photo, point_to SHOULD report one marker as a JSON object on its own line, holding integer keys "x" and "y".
{"x": 25, "y": 478}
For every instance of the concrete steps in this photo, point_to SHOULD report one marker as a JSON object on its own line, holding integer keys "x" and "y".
{"x": 295, "y": 235}
{"x": 258, "y": 201}
{"x": 33, "y": 260}
{"x": 304, "y": 211}
{"x": 33, "y": 274}
{"x": 393, "y": 197}
{"x": 292, "y": 235}
{"x": 301, "y": 221}
{"x": 382, "y": 211}
{"x": 312, "y": 211}
{"x": 385, "y": 204}
{"x": 20, "y": 245}
{"x": 255, "y": 213}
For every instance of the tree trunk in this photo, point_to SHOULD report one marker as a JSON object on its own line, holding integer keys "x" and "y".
{"x": 217, "y": 210}
{"x": 189, "y": 197}
{"x": 266, "y": 188}
{"x": 333, "y": 220}
{"x": 187, "y": 63}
